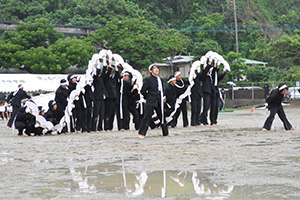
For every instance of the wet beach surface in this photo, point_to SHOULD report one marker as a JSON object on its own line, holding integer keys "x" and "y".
{"x": 235, "y": 160}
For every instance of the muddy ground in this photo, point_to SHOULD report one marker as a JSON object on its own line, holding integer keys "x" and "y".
{"x": 237, "y": 154}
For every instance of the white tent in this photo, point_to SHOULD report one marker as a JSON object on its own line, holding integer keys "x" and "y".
{"x": 31, "y": 82}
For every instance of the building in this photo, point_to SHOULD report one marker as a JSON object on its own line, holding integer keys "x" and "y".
{"x": 253, "y": 63}
{"x": 178, "y": 63}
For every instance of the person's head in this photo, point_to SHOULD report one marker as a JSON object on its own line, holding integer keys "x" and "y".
{"x": 172, "y": 80}
{"x": 72, "y": 78}
{"x": 1, "y": 104}
{"x": 125, "y": 76}
{"x": 41, "y": 110}
{"x": 222, "y": 90}
{"x": 283, "y": 88}
{"x": 20, "y": 86}
{"x": 63, "y": 83}
{"x": 52, "y": 105}
{"x": 154, "y": 70}
{"x": 178, "y": 75}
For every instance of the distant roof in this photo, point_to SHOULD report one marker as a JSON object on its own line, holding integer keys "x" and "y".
{"x": 253, "y": 62}
{"x": 180, "y": 59}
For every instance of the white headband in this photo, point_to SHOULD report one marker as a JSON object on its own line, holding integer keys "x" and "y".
{"x": 65, "y": 83}
{"x": 53, "y": 103}
{"x": 177, "y": 73}
{"x": 172, "y": 79}
{"x": 283, "y": 87}
{"x": 125, "y": 73}
{"x": 150, "y": 67}
{"x": 73, "y": 76}
{"x": 21, "y": 86}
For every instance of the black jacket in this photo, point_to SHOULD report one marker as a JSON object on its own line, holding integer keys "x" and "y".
{"x": 197, "y": 91}
{"x": 61, "y": 96}
{"x": 88, "y": 96}
{"x": 219, "y": 77}
{"x": 16, "y": 100}
{"x": 25, "y": 118}
{"x": 275, "y": 98}
{"x": 111, "y": 83}
{"x": 71, "y": 87}
{"x": 51, "y": 115}
{"x": 179, "y": 89}
{"x": 150, "y": 91}
{"x": 207, "y": 81}
{"x": 100, "y": 92}
{"x": 126, "y": 92}
{"x": 171, "y": 96}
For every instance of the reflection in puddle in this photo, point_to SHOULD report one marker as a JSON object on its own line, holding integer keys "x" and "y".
{"x": 114, "y": 179}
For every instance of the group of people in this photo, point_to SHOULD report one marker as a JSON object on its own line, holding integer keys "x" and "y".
{"x": 114, "y": 93}
{"x": 5, "y": 110}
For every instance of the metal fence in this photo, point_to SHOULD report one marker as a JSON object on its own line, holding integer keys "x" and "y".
{"x": 258, "y": 90}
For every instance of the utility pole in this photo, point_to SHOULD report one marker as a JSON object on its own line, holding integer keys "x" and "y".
{"x": 236, "y": 28}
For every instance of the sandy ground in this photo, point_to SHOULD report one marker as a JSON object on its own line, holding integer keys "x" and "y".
{"x": 260, "y": 165}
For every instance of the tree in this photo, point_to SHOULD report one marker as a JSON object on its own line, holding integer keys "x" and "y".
{"x": 283, "y": 52}
{"x": 27, "y": 35}
{"x": 238, "y": 68}
{"x": 138, "y": 41}
{"x": 39, "y": 48}
{"x": 258, "y": 73}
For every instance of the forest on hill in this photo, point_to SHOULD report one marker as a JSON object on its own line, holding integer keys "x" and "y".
{"x": 145, "y": 31}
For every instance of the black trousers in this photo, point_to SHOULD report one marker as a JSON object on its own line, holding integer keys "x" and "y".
{"x": 148, "y": 112}
{"x": 210, "y": 101}
{"x": 124, "y": 122}
{"x": 20, "y": 126}
{"x": 215, "y": 108}
{"x": 183, "y": 110}
{"x": 13, "y": 115}
{"x": 83, "y": 116}
{"x": 279, "y": 110}
{"x": 136, "y": 116}
{"x": 196, "y": 109}
{"x": 98, "y": 112}
{"x": 109, "y": 116}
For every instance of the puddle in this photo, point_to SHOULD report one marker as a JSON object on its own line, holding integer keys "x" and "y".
{"x": 112, "y": 178}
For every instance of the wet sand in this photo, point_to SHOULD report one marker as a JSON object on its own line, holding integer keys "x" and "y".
{"x": 260, "y": 165}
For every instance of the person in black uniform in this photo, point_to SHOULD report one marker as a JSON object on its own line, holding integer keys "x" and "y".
{"x": 100, "y": 94}
{"x": 196, "y": 97}
{"x": 61, "y": 96}
{"x": 133, "y": 100}
{"x": 16, "y": 98}
{"x": 123, "y": 114}
{"x": 110, "y": 80}
{"x": 216, "y": 96}
{"x": 266, "y": 89}
{"x": 25, "y": 120}
{"x": 152, "y": 90}
{"x": 274, "y": 105}
{"x": 38, "y": 131}
{"x": 208, "y": 92}
{"x": 181, "y": 86}
{"x": 73, "y": 119}
{"x": 84, "y": 110}
{"x": 171, "y": 97}
{"x": 51, "y": 114}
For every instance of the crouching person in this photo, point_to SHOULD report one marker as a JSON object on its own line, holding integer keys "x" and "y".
{"x": 25, "y": 120}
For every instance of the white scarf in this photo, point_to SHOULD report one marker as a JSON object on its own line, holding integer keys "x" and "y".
{"x": 179, "y": 85}
{"x": 161, "y": 98}
{"x": 121, "y": 99}
{"x": 216, "y": 78}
